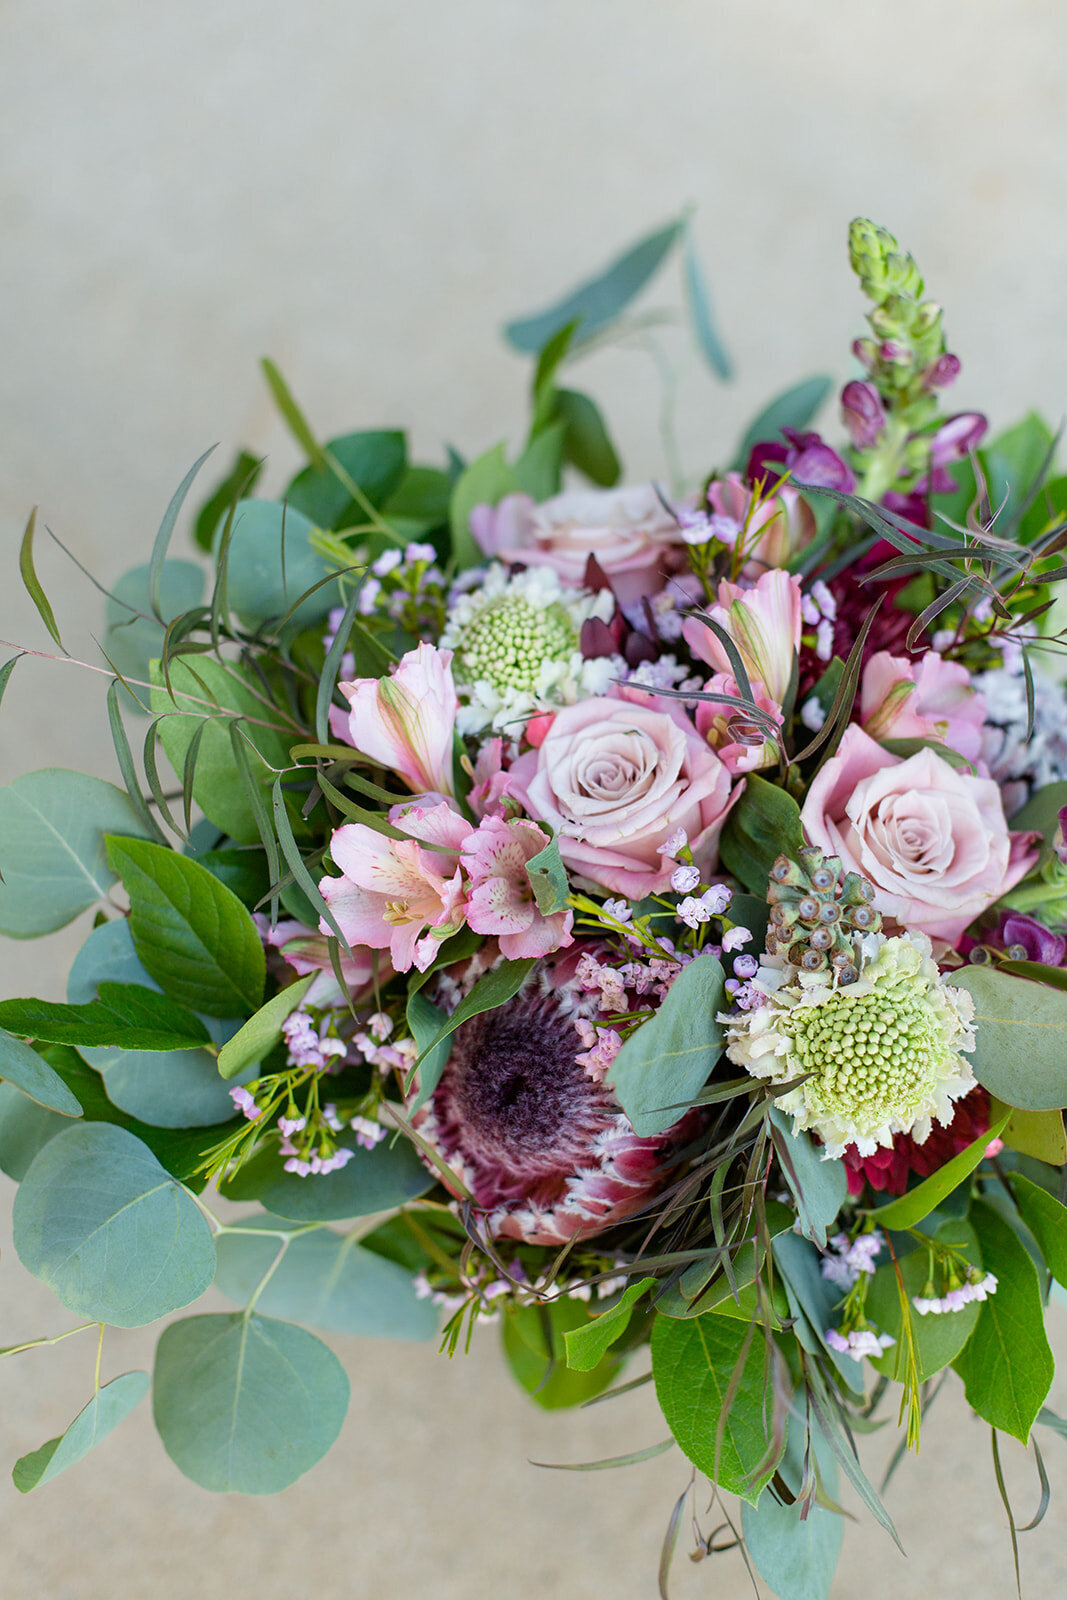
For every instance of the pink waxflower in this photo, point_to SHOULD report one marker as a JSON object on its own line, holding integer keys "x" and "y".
{"x": 394, "y": 894}
{"x": 928, "y": 699}
{"x": 501, "y": 900}
{"x": 765, "y": 624}
{"x": 405, "y": 721}
{"x": 739, "y": 742}
{"x": 933, "y": 841}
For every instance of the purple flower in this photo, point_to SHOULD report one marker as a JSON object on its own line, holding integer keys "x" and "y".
{"x": 863, "y": 413}
{"x": 940, "y": 373}
{"x": 1020, "y": 933}
{"x": 806, "y": 456}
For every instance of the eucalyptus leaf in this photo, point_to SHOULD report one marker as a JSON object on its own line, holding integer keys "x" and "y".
{"x": 1006, "y": 1365}
{"x": 326, "y": 1280}
{"x": 109, "y": 1231}
{"x": 819, "y": 1187}
{"x": 131, "y": 641}
{"x": 796, "y": 1555}
{"x": 25, "y": 1128}
{"x": 246, "y": 1404}
{"x": 812, "y": 1301}
{"x": 694, "y": 1364}
{"x": 373, "y": 460}
{"x": 667, "y": 1060}
{"x": 190, "y": 932}
{"x": 110, "y": 1405}
{"x": 698, "y": 298}
{"x": 793, "y": 408}
{"x": 938, "y": 1336}
{"x": 272, "y": 561}
{"x": 53, "y": 859}
{"x": 1021, "y": 1027}
{"x": 25, "y": 1070}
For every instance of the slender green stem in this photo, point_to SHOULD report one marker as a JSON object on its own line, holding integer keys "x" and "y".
{"x": 33, "y": 1344}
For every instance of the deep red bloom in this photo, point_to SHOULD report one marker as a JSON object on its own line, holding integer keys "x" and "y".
{"x": 889, "y": 1169}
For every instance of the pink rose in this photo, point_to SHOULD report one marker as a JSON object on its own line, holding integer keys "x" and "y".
{"x": 928, "y": 699}
{"x": 634, "y": 540}
{"x": 616, "y": 779}
{"x": 932, "y": 841}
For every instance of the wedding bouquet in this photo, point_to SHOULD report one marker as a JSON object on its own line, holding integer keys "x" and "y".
{"x": 637, "y": 916}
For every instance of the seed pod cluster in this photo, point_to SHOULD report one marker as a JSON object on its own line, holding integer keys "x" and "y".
{"x": 818, "y": 913}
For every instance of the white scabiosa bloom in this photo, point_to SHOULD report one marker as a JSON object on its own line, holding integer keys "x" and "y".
{"x": 517, "y": 647}
{"x": 880, "y": 1056}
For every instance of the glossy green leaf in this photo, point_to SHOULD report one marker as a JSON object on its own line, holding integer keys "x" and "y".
{"x": 820, "y": 1188}
{"x": 109, "y": 1231}
{"x": 538, "y": 470}
{"x": 601, "y": 299}
{"x": 374, "y": 461}
{"x": 1021, "y": 1027}
{"x": 25, "y": 1070}
{"x": 796, "y": 1556}
{"x": 764, "y": 824}
{"x": 586, "y": 441}
{"x": 793, "y": 408}
{"x": 246, "y": 1404}
{"x": 272, "y": 561}
{"x": 110, "y": 1405}
{"x": 589, "y": 1342}
{"x": 219, "y": 691}
{"x": 1037, "y": 1133}
{"x": 548, "y": 880}
{"x": 693, "y": 1366}
{"x": 533, "y": 1340}
{"x": 262, "y": 1032}
{"x": 190, "y": 933}
{"x": 485, "y": 482}
{"x": 939, "y": 1336}
{"x": 909, "y": 1209}
{"x": 373, "y": 1180}
{"x": 175, "y": 1089}
{"x": 1047, "y": 1220}
{"x": 125, "y": 1014}
{"x": 325, "y": 1280}
{"x": 32, "y": 583}
{"x": 1013, "y": 463}
{"x": 1006, "y": 1365}
{"x": 668, "y": 1060}
{"x": 52, "y": 855}
{"x": 698, "y": 299}
{"x": 492, "y": 989}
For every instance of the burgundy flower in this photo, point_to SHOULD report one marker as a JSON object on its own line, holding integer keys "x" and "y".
{"x": 522, "y": 1117}
{"x": 888, "y": 1169}
{"x": 807, "y": 457}
{"x": 1023, "y": 938}
{"x": 863, "y": 413}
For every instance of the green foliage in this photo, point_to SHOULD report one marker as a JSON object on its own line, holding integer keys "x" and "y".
{"x": 601, "y": 299}
{"x": 133, "y": 636}
{"x": 272, "y": 562}
{"x": 702, "y": 1367}
{"x": 698, "y": 300}
{"x": 190, "y": 933}
{"x": 262, "y": 1031}
{"x": 589, "y": 1342}
{"x": 375, "y": 462}
{"x": 110, "y": 1232}
{"x": 819, "y": 1187}
{"x": 1041, "y": 814}
{"x": 125, "y": 1014}
{"x": 812, "y": 1302}
{"x": 1014, "y": 463}
{"x": 668, "y": 1059}
{"x": 485, "y": 482}
{"x": 1039, "y": 1134}
{"x": 909, "y": 1209}
{"x": 245, "y": 1404}
{"x": 326, "y": 1280}
{"x": 1021, "y": 1028}
{"x": 208, "y": 694}
{"x": 796, "y": 407}
{"x": 240, "y": 480}
{"x": 937, "y": 1337}
{"x": 1047, "y": 1220}
{"x": 110, "y": 1405}
{"x": 27, "y": 1072}
{"x": 53, "y": 860}
{"x": 548, "y": 880}
{"x": 534, "y": 1345}
{"x": 764, "y": 824}
{"x": 796, "y": 1555}
{"x": 539, "y": 468}
{"x": 373, "y": 1180}
{"x": 586, "y": 441}
{"x": 25, "y": 1128}
{"x": 1006, "y": 1365}
{"x": 32, "y": 583}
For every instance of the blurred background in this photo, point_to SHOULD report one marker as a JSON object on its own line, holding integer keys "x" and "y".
{"x": 366, "y": 190}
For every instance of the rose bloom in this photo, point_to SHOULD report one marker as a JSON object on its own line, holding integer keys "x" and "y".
{"x": 616, "y": 779}
{"x": 636, "y": 541}
{"x": 932, "y": 840}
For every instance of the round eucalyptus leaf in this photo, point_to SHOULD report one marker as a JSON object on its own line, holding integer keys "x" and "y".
{"x": 110, "y": 1232}
{"x": 133, "y": 636}
{"x": 246, "y": 1404}
{"x": 262, "y": 581}
{"x": 327, "y": 1281}
{"x": 109, "y": 1406}
{"x": 25, "y": 1128}
{"x": 23, "y": 1067}
{"x": 52, "y": 854}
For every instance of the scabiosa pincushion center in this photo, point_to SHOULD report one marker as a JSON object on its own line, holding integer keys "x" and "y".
{"x": 522, "y": 1117}
{"x": 517, "y": 646}
{"x": 878, "y": 1057}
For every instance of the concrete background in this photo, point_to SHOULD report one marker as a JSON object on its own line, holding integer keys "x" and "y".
{"x": 365, "y": 191}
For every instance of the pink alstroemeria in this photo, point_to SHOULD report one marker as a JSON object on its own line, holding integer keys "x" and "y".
{"x": 927, "y": 699}
{"x": 395, "y": 894}
{"x": 491, "y": 782}
{"x": 738, "y": 741}
{"x": 307, "y": 951}
{"x": 405, "y": 721}
{"x": 765, "y": 624}
{"x": 501, "y": 899}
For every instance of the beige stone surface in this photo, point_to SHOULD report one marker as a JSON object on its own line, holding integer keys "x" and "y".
{"x": 366, "y": 190}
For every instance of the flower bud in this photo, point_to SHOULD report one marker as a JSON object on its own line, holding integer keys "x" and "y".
{"x": 863, "y": 413}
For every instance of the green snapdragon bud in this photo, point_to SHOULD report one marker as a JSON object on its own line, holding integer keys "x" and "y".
{"x": 880, "y": 264}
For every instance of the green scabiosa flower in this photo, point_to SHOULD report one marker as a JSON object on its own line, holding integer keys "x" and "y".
{"x": 517, "y": 647}
{"x": 879, "y": 1056}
